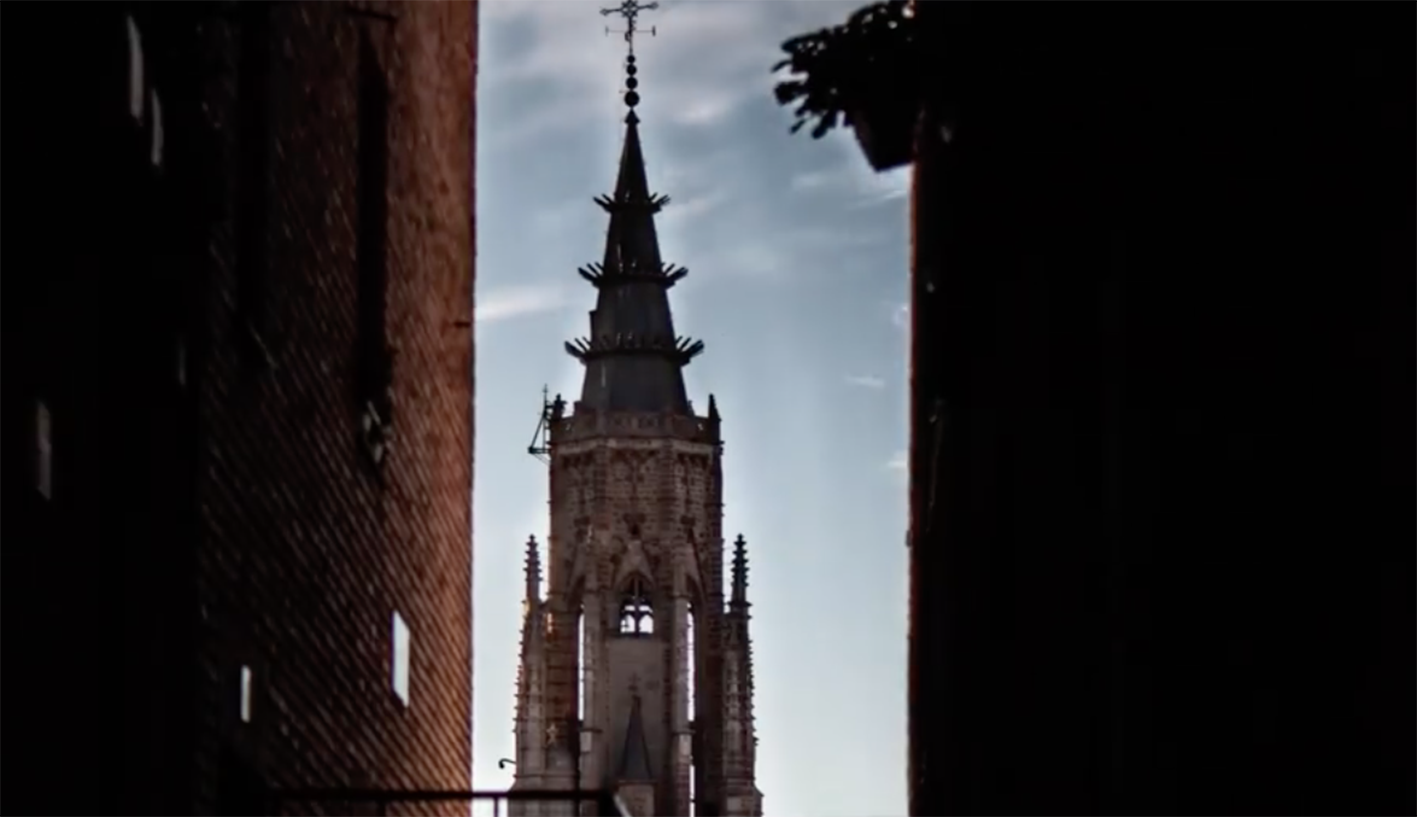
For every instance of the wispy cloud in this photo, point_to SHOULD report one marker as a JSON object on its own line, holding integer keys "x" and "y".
{"x": 900, "y": 315}
{"x": 852, "y": 179}
{"x": 893, "y": 185}
{"x": 816, "y": 179}
{"x": 858, "y": 185}
{"x": 515, "y": 302}
{"x": 781, "y": 254}
{"x": 714, "y": 62}
{"x": 865, "y": 381}
{"x": 694, "y": 206}
{"x": 549, "y": 76}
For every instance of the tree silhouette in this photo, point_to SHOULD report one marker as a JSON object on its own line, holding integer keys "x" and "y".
{"x": 863, "y": 64}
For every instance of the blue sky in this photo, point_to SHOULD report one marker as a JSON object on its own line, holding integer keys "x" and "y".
{"x": 797, "y": 260}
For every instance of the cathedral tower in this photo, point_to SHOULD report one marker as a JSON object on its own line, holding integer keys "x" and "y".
{"x": 636, "y": 671}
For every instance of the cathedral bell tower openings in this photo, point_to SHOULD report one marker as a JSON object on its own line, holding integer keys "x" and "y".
{"x": 636, "y": 611}
{"x": 691, "y": 699}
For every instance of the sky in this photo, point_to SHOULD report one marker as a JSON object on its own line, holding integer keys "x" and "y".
{"x": 796, "y": 253}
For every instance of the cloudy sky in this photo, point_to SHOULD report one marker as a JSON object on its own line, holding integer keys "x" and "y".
{"x": 797, "y": 259}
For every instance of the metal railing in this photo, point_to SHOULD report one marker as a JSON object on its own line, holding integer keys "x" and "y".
{"x": 343, "y": 801}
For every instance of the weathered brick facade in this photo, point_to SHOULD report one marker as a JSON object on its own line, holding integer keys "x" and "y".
{"x": 253, "y": 336}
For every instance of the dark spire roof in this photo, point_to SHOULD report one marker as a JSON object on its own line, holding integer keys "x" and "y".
{"x": 633, "y": 359}
{"x": 634, "y": 758}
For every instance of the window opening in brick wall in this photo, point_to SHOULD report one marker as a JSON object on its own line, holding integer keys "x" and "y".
{"x": 636, "y": 613}
{"x": 401, "y": 646}
{"x": 373, "y": 358}
{"x": 246, "y": 680}
{"x": 43, "y": 451}
{"x": 157, "y": 134}
{"x": 136, "y": 89}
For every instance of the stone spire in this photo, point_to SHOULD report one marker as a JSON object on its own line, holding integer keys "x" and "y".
{"x": 634, "y": 361}
{"x": 531, "y": 674}
{"x": 740, "y": 573}
{"x": 715, "y": 422}
{"x": 533, "y": 572}
{"x": 741, "y": 795}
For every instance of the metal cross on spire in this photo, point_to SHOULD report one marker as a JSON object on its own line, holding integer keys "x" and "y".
{"x": 630, "y": 9}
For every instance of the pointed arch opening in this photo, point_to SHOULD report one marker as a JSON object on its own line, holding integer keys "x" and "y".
{"x": 636, "y": 610}
{"x": 581, "y": 669}
{"x": 691, "y": 690}
{"x": 694, "y": 658}
{"x": 691, "y": 651}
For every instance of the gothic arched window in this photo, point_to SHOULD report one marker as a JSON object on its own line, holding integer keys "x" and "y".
{"x": 636, "y": 614}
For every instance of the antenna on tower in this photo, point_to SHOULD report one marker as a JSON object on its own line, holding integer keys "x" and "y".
{"x": 541, "y": 439}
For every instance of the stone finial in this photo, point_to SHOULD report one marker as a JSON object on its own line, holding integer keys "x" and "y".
{"x": 740, "y": 572}
{"x": 533, "y": 570}
{"x": 713, "y": 424}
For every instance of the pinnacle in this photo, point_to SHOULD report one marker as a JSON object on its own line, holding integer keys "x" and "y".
{"x": 740, "y": 572}
{"x": 533, "y": 569}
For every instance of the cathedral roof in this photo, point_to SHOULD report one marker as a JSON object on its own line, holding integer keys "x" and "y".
{"x": 633, "y": 359}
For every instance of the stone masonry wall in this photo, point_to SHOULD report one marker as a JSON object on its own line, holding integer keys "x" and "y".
{"x": 638, "y": 494}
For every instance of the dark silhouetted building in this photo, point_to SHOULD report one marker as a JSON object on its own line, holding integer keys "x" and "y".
{"x": 238, "y": 402}
{"x": 1162, "y": 407}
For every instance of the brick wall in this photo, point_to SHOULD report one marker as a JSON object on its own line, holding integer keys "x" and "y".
{"x": 215, "y": 503}
{"x": 313, "y": 540}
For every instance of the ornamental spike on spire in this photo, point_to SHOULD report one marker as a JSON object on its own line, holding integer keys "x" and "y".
{"x": 740, "y": 572}
{"x": 634, "y": 360}
{"x": 533, "y": 570}
{"x": 630, "y": 10}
